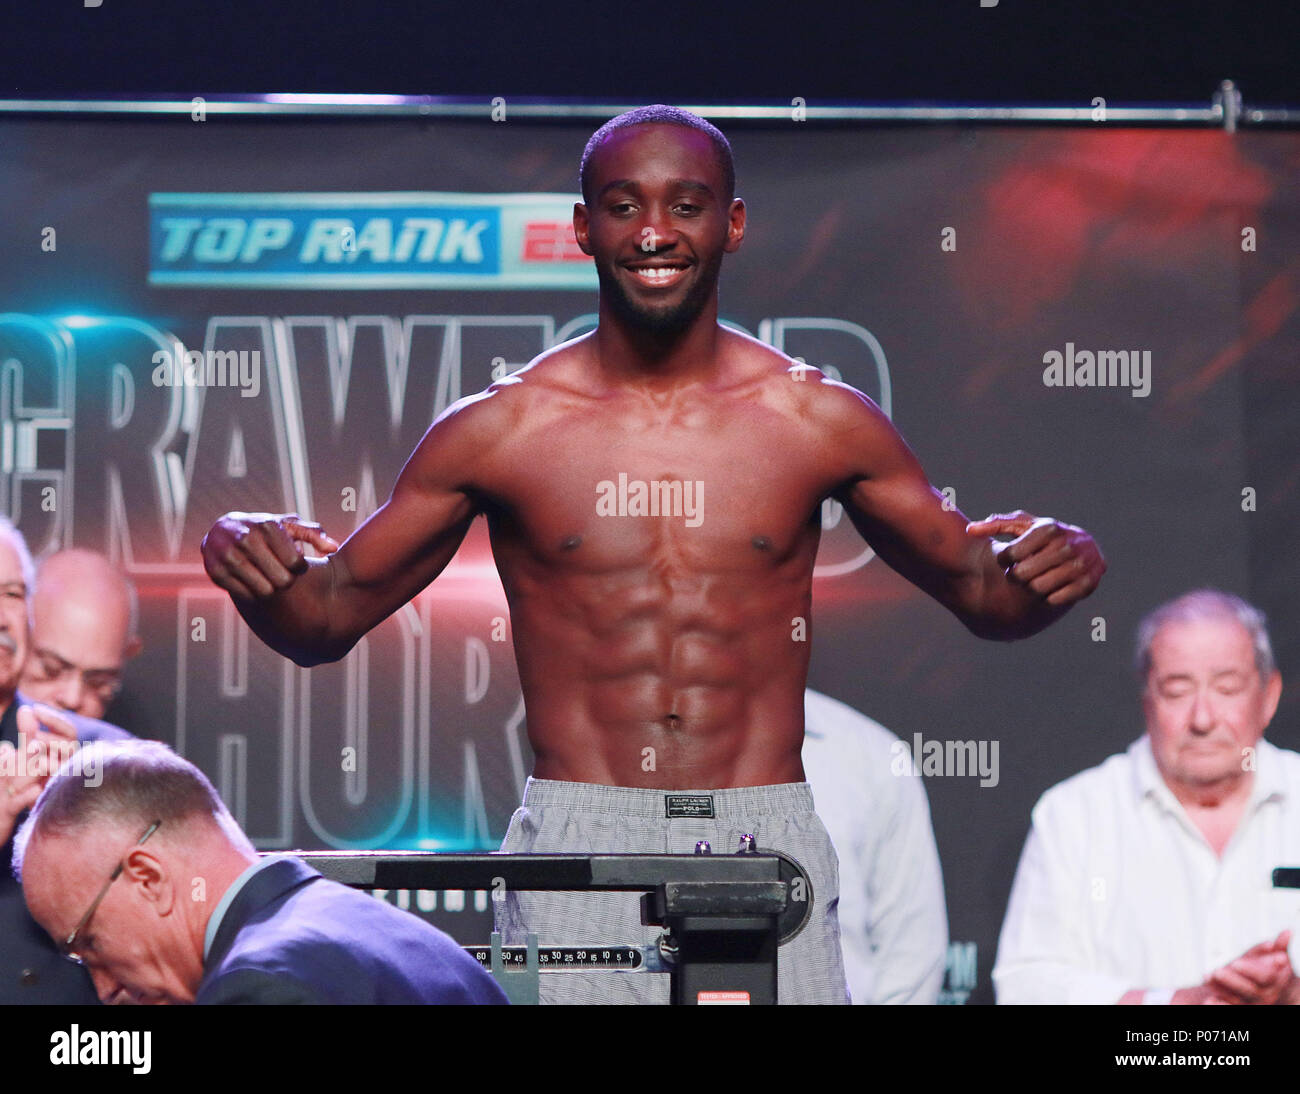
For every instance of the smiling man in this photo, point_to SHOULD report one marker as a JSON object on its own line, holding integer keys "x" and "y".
{"x": 142, "y": 875}
{"x": 1149, "y": 879}
{"x": 662, "y": 653}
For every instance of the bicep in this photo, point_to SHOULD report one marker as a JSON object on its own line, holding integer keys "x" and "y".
{"x": 910, "y": 524}
{"x": 412, "y": 537}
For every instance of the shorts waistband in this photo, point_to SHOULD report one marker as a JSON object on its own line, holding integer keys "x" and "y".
{"x": 780, "y": 799}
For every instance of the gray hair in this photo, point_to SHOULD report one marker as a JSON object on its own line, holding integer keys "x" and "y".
{"x": 9, "y": 530}
{"x": 138, "y": 782}
{"x": 1207, "y": 604}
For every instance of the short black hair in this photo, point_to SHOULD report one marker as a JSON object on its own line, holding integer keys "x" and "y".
{"x": 659, "y": 114}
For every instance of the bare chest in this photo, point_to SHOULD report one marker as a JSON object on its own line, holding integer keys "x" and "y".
{"x": 695, "y": 488}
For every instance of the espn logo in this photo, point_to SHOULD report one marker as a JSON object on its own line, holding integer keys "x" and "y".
{"x": 551, "y": 241}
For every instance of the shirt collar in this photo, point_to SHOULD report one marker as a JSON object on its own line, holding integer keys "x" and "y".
{"x": 228, "y": 898}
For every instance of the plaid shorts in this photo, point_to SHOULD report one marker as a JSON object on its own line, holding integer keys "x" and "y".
{"x": 585, "y": 818}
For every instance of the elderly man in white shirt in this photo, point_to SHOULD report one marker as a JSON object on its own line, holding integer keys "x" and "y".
{"x": 893, "y": 923}
{"x": 1148, "y": 879}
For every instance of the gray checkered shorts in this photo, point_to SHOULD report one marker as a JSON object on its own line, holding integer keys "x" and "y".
{"x": 584, "y": 818}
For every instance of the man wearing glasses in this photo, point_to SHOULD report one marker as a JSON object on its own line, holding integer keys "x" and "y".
{"x": 83, "y": 632}
{"x": 141, "y": 875}
{"x": 31, "y": 738}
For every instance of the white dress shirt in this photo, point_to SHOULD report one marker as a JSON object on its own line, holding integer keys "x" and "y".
{"x": 1118, "y": 889}
{"x": 893, "y": 923}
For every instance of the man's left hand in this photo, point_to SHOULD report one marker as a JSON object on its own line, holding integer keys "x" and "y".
{"x": 1059, "y": 562}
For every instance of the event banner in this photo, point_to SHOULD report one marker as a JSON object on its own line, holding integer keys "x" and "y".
{"x": 205, "y": 316}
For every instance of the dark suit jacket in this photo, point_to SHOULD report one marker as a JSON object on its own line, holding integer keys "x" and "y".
{"x": 292, "y": 936}
{"x": 31, "y": 968}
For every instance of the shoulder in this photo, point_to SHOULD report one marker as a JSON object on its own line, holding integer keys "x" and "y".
{"x": 527, "y": 398}
{"x": 315, "y": 915}
{"x": 803, "y": 385}
{"x": 1094, "y": 795}
{"x": 92, "y": 729}
{"x": 847, "y": 427}
{"x": 302, "y": 935}
{"x": 1287, "y": 758}
{"x": 338, "y": 945}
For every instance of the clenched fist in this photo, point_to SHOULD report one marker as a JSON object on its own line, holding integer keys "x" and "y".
{"x": 1058, "y": 561}
{"x": 256, "y": 555}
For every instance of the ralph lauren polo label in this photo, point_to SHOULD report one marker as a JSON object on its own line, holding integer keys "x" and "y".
{"x": 688, "y": 805}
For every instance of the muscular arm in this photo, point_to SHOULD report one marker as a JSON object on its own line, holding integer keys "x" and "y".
{"x": 1001, "y": 591}
{"x": 315, "y": 610}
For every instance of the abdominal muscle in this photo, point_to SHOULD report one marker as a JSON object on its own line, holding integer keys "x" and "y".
{"x": 687, "y": 683}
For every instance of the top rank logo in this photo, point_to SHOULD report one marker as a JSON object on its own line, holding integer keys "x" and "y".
{"x": 392, "y": 240}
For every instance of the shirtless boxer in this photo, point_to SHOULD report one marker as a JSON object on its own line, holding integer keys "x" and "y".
{"x": 676, "y": 633}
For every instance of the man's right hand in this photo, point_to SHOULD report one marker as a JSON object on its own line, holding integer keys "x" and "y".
{"x": 18, "y": 793}
{"x": 45, "y": 739}
{"x": 1259, "y": 976}
{"x": 256, "y": 555}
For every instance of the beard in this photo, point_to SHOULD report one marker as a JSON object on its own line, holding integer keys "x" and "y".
{"x": 664, "y": 320}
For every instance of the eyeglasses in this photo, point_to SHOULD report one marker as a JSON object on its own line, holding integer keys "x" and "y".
{"x": 48, "y": 668}
{"x": 68, "y": 951}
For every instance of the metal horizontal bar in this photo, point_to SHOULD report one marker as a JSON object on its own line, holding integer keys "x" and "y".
{"x": 429, "y": 106}
{"x": 537, "y": 872}
{"x": 725, "y": 897}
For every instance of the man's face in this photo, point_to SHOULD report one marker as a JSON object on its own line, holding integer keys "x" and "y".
{"x": 77, "y": 653}
{"x": 1204, "y": 701}
{"x": 13, "y": 620}
{"x": 132, "y": 953}
{"x": 658, "y": 225}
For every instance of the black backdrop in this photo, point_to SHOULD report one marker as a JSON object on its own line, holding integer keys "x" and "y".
{"x": 1119, "y": 240}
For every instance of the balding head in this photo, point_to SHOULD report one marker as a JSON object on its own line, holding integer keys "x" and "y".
{"x": 151, "y": 822}
{"x": 83, "y": 632}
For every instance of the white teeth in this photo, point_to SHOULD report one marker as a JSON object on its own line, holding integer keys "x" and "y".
{"x": 658, "y": 273}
